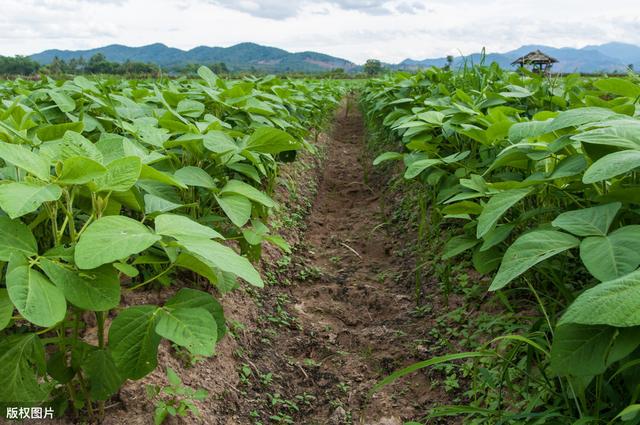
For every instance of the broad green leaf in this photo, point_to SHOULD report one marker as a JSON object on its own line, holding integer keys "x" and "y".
{"x": 178, "y": 226}
{"x": 224, "y": 258}
{"x": 496, "y": 207}
{"x": 21, "y": 359}
{"x": 618, "y": 86}
{"x": 417, "y": 167}
{"x": 486, "y": 261}
{"x": 18, "y": 199}
{"x": 612, "y": 165}
{"x": 612, "y": 256}
{"x": 195, "y": 176}
{"x": 22, "y": 157}
{"x": 579, "y": 116}
{"x": 457, "y": 245}
{"x": 613, "y": 303}
{"x": 529, "y": 250}
{"x": 121, "y": 175}
{"x": 95, "y": 290}
{"x": 15, "y": 236}
{"x": 155, "y": 204}
{"x": 35, "y": 297}
{"x": 150, "y": 173}
{"x": 219, "y": 142}
{"x": 386, "y": 157}
{"x": 237, "y": 187}
{"x": 496, "y": 236}
{"x": 110, "y": 239}
{"x": 80, "y": 170}
{"x": 272, "y": 140}
{"x": 103, "y": 375}
{"x": 193, "y": 263}
{"x": 56, "y": 131}
{"x": 134, "y": 342}
{"x": 192, "y": 298}
{"x": 6, "y": 308}
{"x": 594, "y": 221}
{"x": 62, "y": 100}
{"x": 208, "y": 75}
{"x": 580, "y": 350}
{"x": 523, "y": 130}
{"x": 192, "y": 328}
{"x": 190, "y": 108}
{"x": 622, "y": 133}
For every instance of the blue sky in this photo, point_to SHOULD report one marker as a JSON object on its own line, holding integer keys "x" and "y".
{"x": 390, "y": 30}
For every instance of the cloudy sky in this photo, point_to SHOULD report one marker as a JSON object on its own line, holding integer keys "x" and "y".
{"x": 390, "y": 30}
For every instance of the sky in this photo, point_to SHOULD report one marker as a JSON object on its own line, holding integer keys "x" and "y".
{"x": 389, "y": 30}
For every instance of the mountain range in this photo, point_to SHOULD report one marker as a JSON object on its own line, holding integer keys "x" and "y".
{"x": 241, "y": 57}
{"x": 610, "y": 57}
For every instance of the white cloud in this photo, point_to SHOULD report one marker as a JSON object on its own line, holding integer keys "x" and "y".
{"x": 354, "y": 29}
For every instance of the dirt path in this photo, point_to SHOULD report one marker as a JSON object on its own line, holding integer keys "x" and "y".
{"x": 352, "y": 303}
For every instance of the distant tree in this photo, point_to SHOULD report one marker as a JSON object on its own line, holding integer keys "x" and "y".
{"x": 449, "y": 62}
{"x": 372, "y": 67}
{"x": 57, "y": 67}
{"x": 631, "y": 67}
{"x": 98, "y": 64}
{"x": 18, "y": 65}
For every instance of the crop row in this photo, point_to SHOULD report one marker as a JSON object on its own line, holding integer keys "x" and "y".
{"x": 111, "y": 185}
{"x": 540, "y": 176}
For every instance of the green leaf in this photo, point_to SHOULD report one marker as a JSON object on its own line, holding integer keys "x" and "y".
{"x": 457, "y": 245}
{"x": 104, "y": 377}
{"x": 110, "y": 239}
{"x": 21, "y": 357}
{"x": 271, "y": 140}
{"x": 55, "y": 131}
{"x": 79, "y": 170}
{"x": 149, "y": 173}
{"x": 15, "y": 236}
{"x": 6, "y": 308}
{"x": 195, "y": 176}
{"x": 580, "y": 350}
{"x": 134, "y": 342}
{"x": 219, "y": 142}
{"x": 95, "y": 290}
{"x": 224, "y": 258}
{"x": 524, "y": 130}
{"x": 594, "y": 221}
{"x": 192, "y": 328}
{"x": 236, "y": 207}
{"x": 496, "y": 236}
{"x": 613, "y": 303}
{"x": 237, "y": 187}
{"x": 579, "y": 116}
{"x": 620, "y": 133}
{"x": 23, "y": 158}
{"x": 18, "y": 199}
{"x": 386, "y": 157}
{"x": 37, "y": 299}
{"x": 612, "y": 256}
{"x": 496, "y": 207}
{"x": 612, "y": 165}
{"x": 618, "y": 86}
{"x": 178, "y": 226}
{"x": 208, "y": 75}
{"x": 529, "y": 250}
{"x": 121, "y": 175}
{"x": 62, "y": 100}
{"x": 417, "y": 167}
{"x": 155, "y": 204}
{"x": 192, "y": 298}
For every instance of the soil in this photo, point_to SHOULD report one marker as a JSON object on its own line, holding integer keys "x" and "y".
{"x": 336, "y": 318}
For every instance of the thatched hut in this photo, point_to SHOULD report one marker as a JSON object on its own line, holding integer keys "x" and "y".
{"x": 539, "y": 62}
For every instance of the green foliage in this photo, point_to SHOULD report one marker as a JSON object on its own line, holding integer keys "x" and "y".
{"x": 111, "y": 185}
{"x": 539, "y": 175}
{"x": 174, "y": 399}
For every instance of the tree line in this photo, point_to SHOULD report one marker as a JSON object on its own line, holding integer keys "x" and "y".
{"x": 96, "y": 64}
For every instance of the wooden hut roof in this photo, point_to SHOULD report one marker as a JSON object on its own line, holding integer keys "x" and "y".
{"x": 535, "y": 58}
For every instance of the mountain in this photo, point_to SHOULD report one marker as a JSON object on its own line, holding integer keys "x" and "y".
{"x": 241, "y": 57}
{"x": 610, "y": 57}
